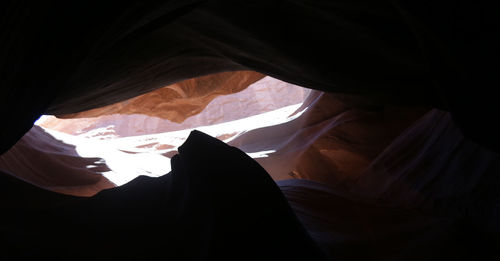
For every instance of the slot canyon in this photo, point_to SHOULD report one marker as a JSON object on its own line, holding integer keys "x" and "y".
{"x": 249, "y": 130}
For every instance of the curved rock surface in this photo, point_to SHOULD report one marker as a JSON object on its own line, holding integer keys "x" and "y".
{"x": 40, "y": 159}
{"x": 178, "y": 101}
{"x": 236, "y": 98}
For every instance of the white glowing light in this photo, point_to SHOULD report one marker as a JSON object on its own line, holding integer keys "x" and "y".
{"x": 121, "y": 167}
{"x": 261, "y": 154}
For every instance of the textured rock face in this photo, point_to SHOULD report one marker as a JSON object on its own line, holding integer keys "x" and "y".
{"x": 333, "y": 141}
{"x": 178, "y": 101}
{"x": 161, "y": 111}
{"x": 40, "y": 159}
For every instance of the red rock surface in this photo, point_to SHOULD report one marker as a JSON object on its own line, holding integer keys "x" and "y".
{"x": 41, "y": 159}
{"x": 265, "y": 95}
{"x": 178, "y": 101}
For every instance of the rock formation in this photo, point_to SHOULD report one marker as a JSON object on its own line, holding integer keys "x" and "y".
{"x": 393, "y": 155}
{"x": 149, "y": 113}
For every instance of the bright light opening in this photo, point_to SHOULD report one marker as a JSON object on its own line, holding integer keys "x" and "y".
{"x": 137, "y": 144}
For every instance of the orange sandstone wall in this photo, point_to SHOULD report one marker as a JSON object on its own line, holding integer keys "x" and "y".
{"x": 178, "y": 101}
